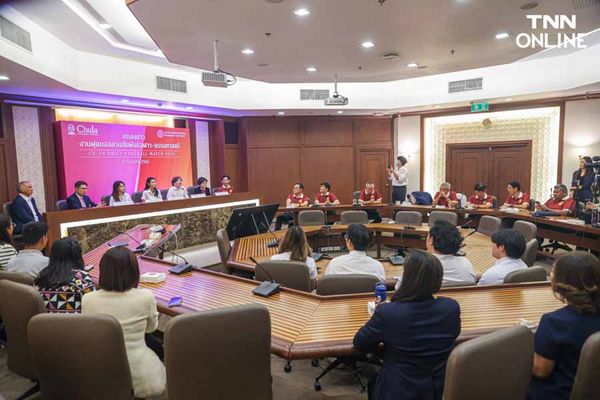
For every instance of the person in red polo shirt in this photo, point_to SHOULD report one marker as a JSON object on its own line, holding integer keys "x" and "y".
{"x": 370, "y": 196}
{"x": 559, "y": 202}
{"x": 325, "y": 197}
{"x": 295, "y": 199}
{"x": 516, "y": 198}
{"x": 445, "y": 197}
{"x": 481, "y": 199}
{"x": 225, "y": 185}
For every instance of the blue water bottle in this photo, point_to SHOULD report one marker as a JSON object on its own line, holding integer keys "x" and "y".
{"x": 380, "y": 292}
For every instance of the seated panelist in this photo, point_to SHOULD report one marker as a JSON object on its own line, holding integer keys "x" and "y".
{"x": 202, "y": 187}
{"x": 369, "y": 196}
{"x": 225, "y": 185}
{"x": 177, "y": 191}
{"x": 79, "y": 199}
{"x": 151, "y": 194}
{"x": 23, "y": 208}
{"x": 295, "y": 199}
{"x": 445, "y": 197}
{"x": 119, "y": 196}
{"x": 480, "y": 199}
{"x": 516, "y": 198}
{"x": 325, "y": 197}
{"x": 559, "y": 202}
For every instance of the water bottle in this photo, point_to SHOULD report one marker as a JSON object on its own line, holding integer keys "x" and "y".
{"x": 380, "y": 292}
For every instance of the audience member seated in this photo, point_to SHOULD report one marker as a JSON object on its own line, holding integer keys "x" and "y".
{"x": 119, "y": 196}
{"x": 508, "y": 246}
{"x": 202, "y": 187}
{"x": 369, "y": 196}
{"x": 177, "y": 191}
{"x": 583, "y": 180}
{"x": 79, "y": 199}
{"x": 294, "y": 247}
{"x": 151, "y": 194}
{"x": 561, "y": 333}
{"x": 135, "y": 309}
{"x": 63, "y": 282}
{"x": 225, "y": 185}
{"x": 418, "y": 332}
{"x": 325, "y": 197}
{"x": 358, "y": 239}
{"x": 30, "y": 260}
{"x": 516, "y": 198}
{"x": 23, "y": 208}
{"x": 296, "y": 199}
{"x": 444, "y": 242}
{"x": 559, "y": 202}
{"x": 480, "y": 199}
{"x": 7, "y": 248}
{"x": 445, "y": 197}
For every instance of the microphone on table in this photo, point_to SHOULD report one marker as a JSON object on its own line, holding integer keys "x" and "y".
{"x": 273, "y": 243}
{"x": 265, "y": 288}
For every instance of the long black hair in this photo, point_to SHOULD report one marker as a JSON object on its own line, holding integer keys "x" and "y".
{"x": 5, "y": 223}
{"x": 422, "y": 277}
{"x": 148, "y": 180}
{"x": 65, "y": 260}
{"x": 115, "y": 192}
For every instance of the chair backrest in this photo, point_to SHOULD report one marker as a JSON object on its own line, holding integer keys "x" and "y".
{"x": 291, "y": 274}
{"x": 18, "y": 304}
{"x": 457, "y": 284}
{"x": 442, "y": 216}
{"x": 64, "y": 372}
{"x": 163, "y": 193}
{"x": 346, "y": 284}
{"x": 311, "y": 218}
{"x": 496, "y": 366}
{"x": 533, "y": 274}
{"x": 105, "y": 199}
{"x": 409, "y": 217}
{"x": 205, "y": 350}
{"x": 354, "y": 217}
{"x": 25, "y": 279}
{"x": 587, "y": 385}
{"x": 531, "y": 205}
{"x": 489, "y": 224}
{"x": 190, "y": 190}
{"x": 530, "y": 253}
{"x": 527, "y": 229}
{"x": 224, "y": 248}
{"x": 6, "y": 208}
{"x": 136, "y": 197}
{"x": 61, "y": 205}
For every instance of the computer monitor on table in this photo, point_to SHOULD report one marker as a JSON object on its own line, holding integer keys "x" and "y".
{"x": 247, "y": 221}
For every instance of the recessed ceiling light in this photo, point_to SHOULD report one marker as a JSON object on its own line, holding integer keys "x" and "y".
{"x": 412, "y": 65}
{"x": 502, "y": 35}
{"x": 105, "y": 26}
{"x": 125, "y": 100}
{"x": 281, "y": 113}
{"x": 301, "y": 12}
{"x": 340, "y": 111}
{"x": 437, "y": 106}
{"x": 248, "y": 51}
{"x": 4, "y": 78}
{"x": 509, "y": 99}
{"x": 311, "y": 69}
{"x": 367, "y": 44}
{"x": 189, "y": 108}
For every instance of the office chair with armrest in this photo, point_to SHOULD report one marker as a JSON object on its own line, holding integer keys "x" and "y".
{"x": 530, "y": 253}
{"x": 527, "y": 229}
{"x": 442, "y": 216}
{"x": 61, "y": 205}
{"x": 457, "y": 284}
{"x": 224, "y": 246}
{"x": 532, "y": 274}
{"x": 291, "y": 274}
{"x": 136, "y": 197}
{"x": 311, "y": 218}
{"x": 17, "y": 277}
{"x": 354, "y": 217}
{"x": 346, "y": 284}
{"x": 587, "y": 385}
{"x": 489, "y": 225}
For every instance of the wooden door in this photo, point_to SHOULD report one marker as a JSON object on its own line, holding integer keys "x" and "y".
{"x": 494, "y": 164}
{"x": 371, "y": 166}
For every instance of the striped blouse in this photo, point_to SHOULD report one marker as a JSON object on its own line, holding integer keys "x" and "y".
{"x": 7, "y": 251}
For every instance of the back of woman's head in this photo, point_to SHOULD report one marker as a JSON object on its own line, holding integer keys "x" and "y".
{"x": 422, "y": 277}
{"x": 119, "y": 270}
{"x": 576, "y": 281}
{"x": 295, "y": 242}
{"x": 65, "y": 259}
{"x": 5, "y": 224}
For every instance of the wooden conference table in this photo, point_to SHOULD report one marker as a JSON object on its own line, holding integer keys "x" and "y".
{"x": 306, "y": 326}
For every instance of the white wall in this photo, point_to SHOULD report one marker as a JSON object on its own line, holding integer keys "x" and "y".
{"x": 407, "y": 140}
{"x": 582, "y": 134}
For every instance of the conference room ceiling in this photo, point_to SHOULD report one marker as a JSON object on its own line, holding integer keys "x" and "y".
{"x": 440, "y": 35}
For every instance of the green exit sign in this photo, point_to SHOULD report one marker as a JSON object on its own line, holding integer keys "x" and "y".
{"x": 479, "y": 107}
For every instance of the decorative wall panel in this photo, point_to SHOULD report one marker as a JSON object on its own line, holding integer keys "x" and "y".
{"x": 203, "y": 151}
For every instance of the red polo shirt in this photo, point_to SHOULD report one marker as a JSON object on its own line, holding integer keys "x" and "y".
{"x": 522, "y": 198}
{"x": 322, "y": 198}
{"x": 443, "y": 201}
{"x": 224, "y": 189}
{"x": 364, "y": 196}
{"x": 565, "y": 204}
{"x": 301, "y": 199}
{"x": 486, "y": 199}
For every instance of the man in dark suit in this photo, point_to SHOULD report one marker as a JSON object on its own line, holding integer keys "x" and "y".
{"x": 79, "y": 199}
{"x": 23, "y": 208}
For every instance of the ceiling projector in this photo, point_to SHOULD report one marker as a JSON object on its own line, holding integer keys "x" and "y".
{"x": 218, "y": 78}
{"x": 337, "y": 99}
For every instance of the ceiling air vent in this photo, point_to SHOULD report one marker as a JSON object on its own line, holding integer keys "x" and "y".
{"x": 465, "y": 86}
{"x": 172, "y": 85}
{"x": 312, "y": 94}
{"x": 15, "y": 34}
{"x": 580, "y": 4}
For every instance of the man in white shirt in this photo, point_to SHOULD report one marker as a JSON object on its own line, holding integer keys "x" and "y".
{"x": 30, "y": 260}
{"x": 177, "y": 191}
{"x": 508, "y": 247}
{"x": 444, "y": 242}
{"x": 399, "y": 180}
{"x": 356, "y": 261}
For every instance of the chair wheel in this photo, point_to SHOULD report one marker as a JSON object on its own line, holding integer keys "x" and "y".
{"x": 318, "y": 386}
{"x": 314, "y": 362}
{"x": 287, "y": 368}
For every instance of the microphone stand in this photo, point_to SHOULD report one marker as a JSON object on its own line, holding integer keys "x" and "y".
{"x": 265, "y": 288}
{"x": 180, "y": 268}
{"x": 273, "y": 243}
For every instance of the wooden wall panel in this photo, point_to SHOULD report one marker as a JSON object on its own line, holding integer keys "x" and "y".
{"x": 272, "y": 172}
{"x": 327, "y": 132}
{"x": 8, "y": 158}
{"x": 373, "y": 130}
{"x": 329, "y": 164}
{"x": 232, "y": 165}
{"x": 273, "y": 132}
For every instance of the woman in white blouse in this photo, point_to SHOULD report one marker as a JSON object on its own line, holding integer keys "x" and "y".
{"x": 151, "y": 193}
{"x": 119, "y": 196}
{"x": 177, "y": 191}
